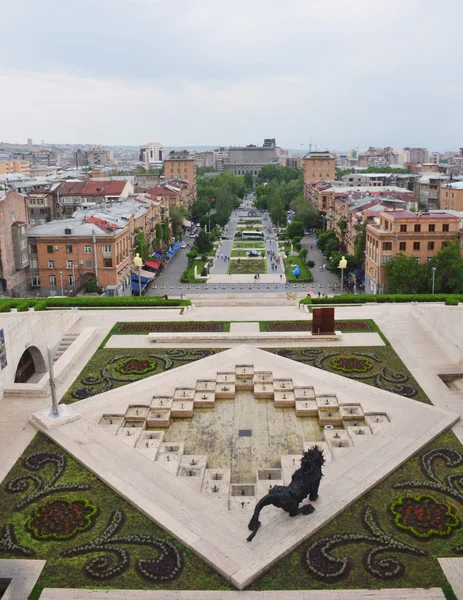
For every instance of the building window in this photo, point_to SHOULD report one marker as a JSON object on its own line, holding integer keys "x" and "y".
{"x": 52, "y": 280}
{"x": 445, "y": 227}
{"x": 13, "y": 216}
{"x": 70, "y": 264}
{"x": 70, "y": 280}
{"x": 432, "y": 228}
{"x": 50, "y": 249}
{"x": 387, "y": 245}
{"x": 35, "y": 281}
{"x": 107, "y": 248}
{"x": 444, "y": 244}
{"x": 68, "y": 249}
{"x": 403, "y": 228}
{"x": 32, "y": 249}
{"x": 107, "y": 262}
{"x": 51, "y": 264}
{"x": 430, "y": 245}
{"x": 417, "y": 258}
{"x": 417, "y": 227}
{"x": 387, "y": 258}
{"x": 34, "y": 263}
{"x": 88, "y": 264}
{"x": 416, "y": 245}
{"x": 402, "y": 246}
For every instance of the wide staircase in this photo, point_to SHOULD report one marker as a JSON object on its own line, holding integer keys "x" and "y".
{"x": 290, "y": 298}
{"x": 64, "y": 344}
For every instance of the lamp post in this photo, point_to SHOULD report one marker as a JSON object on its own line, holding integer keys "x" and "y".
{"x": 73, "y": 277}
{"x": 61, "y": 280}
{"x": 137, "y": 263}
{"x": 342, "y": 265}
{"x": 54, "y": 402}
{"x": 433, "y": 277}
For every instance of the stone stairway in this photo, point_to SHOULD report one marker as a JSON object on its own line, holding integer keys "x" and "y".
{"x": 64, "y": 344}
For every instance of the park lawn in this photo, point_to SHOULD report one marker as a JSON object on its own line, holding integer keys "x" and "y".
{"x": 101, "y": 373}
{"x": 248, "y": 266}
{"x": 420, "y": 571}
{"x": 237, "y": 245}
{"x": 305, "y": 276}
{"x": 188, "y": 276}
{"x": 70, "y": 572}
{"x": 243, "y": 253}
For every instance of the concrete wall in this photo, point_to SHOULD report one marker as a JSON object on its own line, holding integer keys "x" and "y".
{"x": 445, "y": 325}
{"x": 31, "y": 329}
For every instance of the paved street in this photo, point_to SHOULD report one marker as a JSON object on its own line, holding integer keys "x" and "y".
{"x": 169, "y": 280}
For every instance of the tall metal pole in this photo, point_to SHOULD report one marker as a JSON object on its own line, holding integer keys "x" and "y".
{"x": 54, "y": 402}
{"x": 61, "y": 280}
{"x": 433, "y": 276}
{"x": 342, "y": 280}
{"x": 139, "y": 281}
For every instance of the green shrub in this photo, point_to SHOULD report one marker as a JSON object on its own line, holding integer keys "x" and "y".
{"x": 24, "y": 305}
{"x": 6, "y": 305}
{"x": 310, "y": 264}
{"x": 451, "y": 301}
{"x": 381, "y": 298}
{"x": 41, "y": 305}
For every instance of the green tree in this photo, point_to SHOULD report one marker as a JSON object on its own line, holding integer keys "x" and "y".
{"x": 360, "y": 243}
{"x": 166, "y": 232}
{"x": 158, "y": 241}
{"x": 295, "y": 229}
{"x": 303, "y": 254}
{"x": 328, "y": 243}
{"x": 405, "y": 275}
{"x": 449, "y": 270}
{"x": 141, "y": 244}
{"x": 248, "y": 181}
{"x": 177, "y": 215}
{"x": 203, "y": 242}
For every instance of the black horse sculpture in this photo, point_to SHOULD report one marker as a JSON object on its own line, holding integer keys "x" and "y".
{"x": 304, "y": 482}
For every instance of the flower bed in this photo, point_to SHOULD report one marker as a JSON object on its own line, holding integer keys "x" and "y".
{"x": 61, "y": 519}
{"x": 423, "y": 516}
{"x": 351, "y": 364}
{"x": 182, "y": 327}
{"x": 307, "y": 326}
{"x": 136, "y": 366}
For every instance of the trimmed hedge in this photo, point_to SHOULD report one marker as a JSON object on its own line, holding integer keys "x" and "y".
{"x": 23, "y": 304}
{"x": 452, "y": 299}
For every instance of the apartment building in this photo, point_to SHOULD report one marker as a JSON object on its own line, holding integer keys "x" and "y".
{"x": 7, "y": 167}
{"x": 250, "y": 159}
{"x": 169, "y": 194}
{"x": 318, "y": 166}
{"x": 451, "y": 196}
{"x": 42, "y": 157}
{"x": 152, "y": 155}
{"x": 428, "y": 188}
{"x": 205, "y": 159}
{"x": 421, "y": 235}
{"x": 94, "y": 243}
{"x": 14, "y": 256}
{"x": 70, "y": 196}
{"x": 180, "y": 165}
{"x": 94, "y": 157}
{"x": 40, "y": 208}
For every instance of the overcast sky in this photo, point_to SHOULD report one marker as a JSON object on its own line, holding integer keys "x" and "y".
{"x": 200, "y": 72}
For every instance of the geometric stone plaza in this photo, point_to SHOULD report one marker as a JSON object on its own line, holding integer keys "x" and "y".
{"x": 194, "y": 448}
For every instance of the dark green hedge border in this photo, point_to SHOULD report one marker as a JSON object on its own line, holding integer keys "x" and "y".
{"x": 23, "y": 304}
{"x": 449, "y": 299}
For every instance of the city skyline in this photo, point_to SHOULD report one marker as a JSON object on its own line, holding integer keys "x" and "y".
{"x": 365, "y": 74}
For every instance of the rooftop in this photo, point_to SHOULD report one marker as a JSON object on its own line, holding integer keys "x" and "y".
{"x": 455, "y": 185}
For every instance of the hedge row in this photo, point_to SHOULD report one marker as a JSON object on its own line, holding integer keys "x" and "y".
{"x": 450, "y": 299}
{"x": 23, "y": 304}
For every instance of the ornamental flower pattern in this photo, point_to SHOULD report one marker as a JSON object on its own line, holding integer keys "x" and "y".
{"x": 61, "y": 519}
{"x": 351, "y": 364}
{"x": 423, "y": 516}
{"x": 170, "y": 327}
{"x": 307, "y": 326}
{"x": 136, "y": 366}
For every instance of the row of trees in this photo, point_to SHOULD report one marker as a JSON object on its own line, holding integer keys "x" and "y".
{"x": 222, "y": 193}
{"x": 406, "y": 276}
{"x": 341, "y": 172}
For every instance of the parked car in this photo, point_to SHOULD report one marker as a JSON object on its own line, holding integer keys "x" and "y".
{"x": 183, "y": 245}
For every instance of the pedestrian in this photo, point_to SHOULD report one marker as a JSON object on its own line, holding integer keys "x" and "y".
{"x": 319, "y": 294}
{"x": 311, "y": 247}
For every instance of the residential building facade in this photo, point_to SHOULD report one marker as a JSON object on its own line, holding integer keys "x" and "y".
{"x": 451, "y": 196}
{"x": 95, "y": 243}
{"x": 421, "y": 235}
{"x": 42, "y": 156}
{"x": 181, "y": 165}
{"x": 428, "y": 188}
{"x": 94, "y": 157}
{"x": 70, "y": 196}
{"x": 318, "y": 166}
{"x": 40, "y": 208}
{"x": 14, "y": 255}
{"x": 249, "y": 159}
{"x": 7, "y": 167}
{"x": 152, "y": 155}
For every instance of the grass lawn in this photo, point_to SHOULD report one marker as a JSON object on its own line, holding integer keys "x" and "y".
{"x": 123, "y": 554}
{"x": 386, "y": 370}
{"x": 419, "y": 566}
{"x": 188, "y": 276}
{"x": 243, "y": 253}
{"x": 305, "y": 275}
{"x": 243, "y": 244}
{"x": 247, "y": 266}
{"x": 102, "y": 372}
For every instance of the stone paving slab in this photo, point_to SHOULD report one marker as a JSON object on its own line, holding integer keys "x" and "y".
{"x": 23, "y": 575}
{"x": 212, "y": 532}
{"x": 387, "y": 594}
{"x": 245, "y": 327}
{"x": 453, "y": 569}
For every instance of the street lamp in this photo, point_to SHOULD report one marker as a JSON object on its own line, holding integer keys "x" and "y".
{"x": 325, "y": 219}
{"x": 137, "y": 263}
{"x": 342, "y": 265}
{"x": 61, "y": 279}
{"x": 51, "y": 377}
{"x": 433, "y": 277}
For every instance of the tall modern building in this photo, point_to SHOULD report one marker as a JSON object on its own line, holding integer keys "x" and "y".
{"x": 152, "y": 154}
{"x": 250, "y": 159}
{"x": 318, "y": 166}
